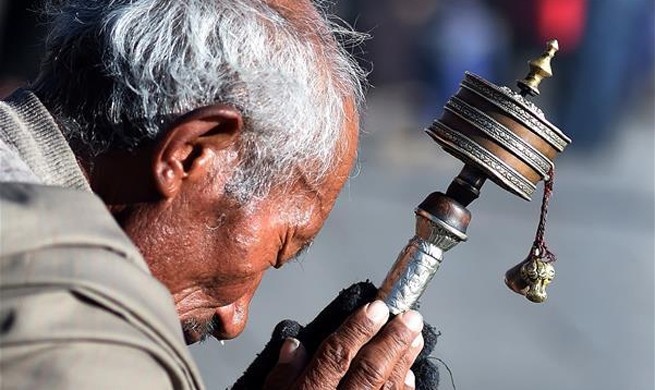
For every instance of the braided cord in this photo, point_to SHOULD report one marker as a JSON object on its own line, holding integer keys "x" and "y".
{"x": 539, "y": 248}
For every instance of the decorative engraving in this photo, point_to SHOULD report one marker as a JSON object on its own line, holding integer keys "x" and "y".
{"x": 496, "y": 96}
{"x": 416, "y": 264}
{"x": 538, "y": 275}
{"x": 463, "y": 144}
{"x": 501, "y": 134}
{"x": 524, "y": 101}
{"x": 434, "y": 233}
{"x": 406, "y": 281}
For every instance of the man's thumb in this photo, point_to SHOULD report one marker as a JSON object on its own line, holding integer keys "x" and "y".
{"x": 291, "y": 361}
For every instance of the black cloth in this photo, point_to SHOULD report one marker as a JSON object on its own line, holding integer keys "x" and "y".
{"x": 328, "y": 320}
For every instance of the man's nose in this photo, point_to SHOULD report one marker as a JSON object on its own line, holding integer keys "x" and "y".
{"x": 231, "y": 319}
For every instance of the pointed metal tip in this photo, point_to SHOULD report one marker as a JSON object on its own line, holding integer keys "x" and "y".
{"x": 553, "y": 43}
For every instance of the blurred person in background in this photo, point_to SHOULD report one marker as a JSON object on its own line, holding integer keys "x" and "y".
{"x": 604, "y": 63}
{"x": 166, "y": 156}
{"x": 609, "y": 69}
{"x": 606, "y": 55}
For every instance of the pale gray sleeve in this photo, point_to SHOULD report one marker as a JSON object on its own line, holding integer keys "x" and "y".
{"x": 80, "y": 366}
{"x": 54, "y": 339}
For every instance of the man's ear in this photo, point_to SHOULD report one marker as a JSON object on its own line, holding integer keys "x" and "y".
{"x": 189, "y": 143}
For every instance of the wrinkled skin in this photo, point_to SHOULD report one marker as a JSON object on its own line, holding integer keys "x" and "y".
{"x": 220, "y": 250}
{"x": 208, "y": 250}
{"x": 211, "y": 252}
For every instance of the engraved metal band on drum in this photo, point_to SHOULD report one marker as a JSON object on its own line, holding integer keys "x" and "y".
{"x": 523, "y": 101}
{"x": 501, "y": 134}
{"x": 501, "y": 100}
{"x": 523, "y": 104}
{"x": 410, "y": 275}
{"x": 514, "y": 180}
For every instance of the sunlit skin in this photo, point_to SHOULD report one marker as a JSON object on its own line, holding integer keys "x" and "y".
{"x": 211, "y": 252}
{"x": 208, "y": 250}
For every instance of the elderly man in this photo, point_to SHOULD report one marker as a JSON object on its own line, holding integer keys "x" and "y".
{"x": 169, "y": 153}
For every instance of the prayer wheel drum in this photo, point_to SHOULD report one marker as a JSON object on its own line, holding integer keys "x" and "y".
{"x": 500, "y": 133}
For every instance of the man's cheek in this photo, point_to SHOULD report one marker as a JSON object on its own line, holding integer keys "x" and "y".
{"x": 227, "y": 294}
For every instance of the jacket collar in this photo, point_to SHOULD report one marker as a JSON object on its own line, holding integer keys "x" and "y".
{"x": 28, "y": 128}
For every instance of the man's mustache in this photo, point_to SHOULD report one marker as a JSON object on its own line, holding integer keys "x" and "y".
{"x": 197, "y": 330}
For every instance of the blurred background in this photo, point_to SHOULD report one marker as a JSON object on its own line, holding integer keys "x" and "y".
{"x": 596, "y": 331}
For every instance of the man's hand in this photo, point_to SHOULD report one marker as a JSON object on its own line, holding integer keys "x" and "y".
{"x": 363, "y": 354}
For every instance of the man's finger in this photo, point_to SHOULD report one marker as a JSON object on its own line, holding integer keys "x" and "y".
{"x": 410, "y": 381}
{"x": 376, "y": 361}
{"x": 292, "y": 360}
{"x": 402, "y": 373}
{"x": 333, "y": 358}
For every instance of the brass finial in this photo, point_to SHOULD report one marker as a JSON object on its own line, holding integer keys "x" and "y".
{"x": 539, "y": 70}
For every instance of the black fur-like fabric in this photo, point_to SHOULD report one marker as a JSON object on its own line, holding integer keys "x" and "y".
{"x": 312, "y": 335}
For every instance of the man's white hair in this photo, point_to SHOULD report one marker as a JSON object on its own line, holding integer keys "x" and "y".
{"x": 116, "y": 72}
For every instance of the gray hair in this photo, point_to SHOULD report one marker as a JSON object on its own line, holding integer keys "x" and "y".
{"x": 117, "y": 71}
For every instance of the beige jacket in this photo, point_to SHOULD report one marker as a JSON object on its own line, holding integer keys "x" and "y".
{"x": 79, "y": 308}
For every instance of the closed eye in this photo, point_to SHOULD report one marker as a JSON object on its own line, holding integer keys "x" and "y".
{"x": 300, "y": 255}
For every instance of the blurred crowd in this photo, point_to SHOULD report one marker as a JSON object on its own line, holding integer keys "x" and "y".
{"x": 604, "y": 67}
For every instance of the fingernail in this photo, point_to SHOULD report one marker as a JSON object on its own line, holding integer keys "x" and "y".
{"x": 288, "y": 350}
{"x": 377, "y": 311}
{"x": 417, "y": 341}
{"x": 410, "y": 380}
{"x": 413, "y": 320}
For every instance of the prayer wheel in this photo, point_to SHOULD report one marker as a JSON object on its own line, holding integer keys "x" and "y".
{"x": 499, "y": 135}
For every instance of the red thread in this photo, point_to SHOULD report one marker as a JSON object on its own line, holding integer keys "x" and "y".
{"x": 539, "y": 248}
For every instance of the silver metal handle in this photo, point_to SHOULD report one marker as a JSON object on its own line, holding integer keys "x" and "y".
{"x": 417, "y": 262}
